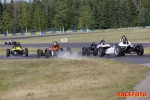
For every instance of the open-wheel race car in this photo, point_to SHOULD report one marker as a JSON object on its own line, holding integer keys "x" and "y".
{"x": 10, "y": 42}
{"x": 17, "y": 50}
{"x": 122, "y": 48}
{"x": 90, "y": 50}
{"x": 54, "y": 50}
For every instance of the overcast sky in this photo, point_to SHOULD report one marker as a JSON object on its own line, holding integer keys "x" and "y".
{"x": 9, "y": 0}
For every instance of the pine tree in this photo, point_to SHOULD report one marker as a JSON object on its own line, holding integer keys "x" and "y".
{"x": 39, "y": 20}
{"x": 6, "y": 21}
{"x": 62, "y": 15}
{"x": 143, "y": 17}
{"x": 1, "y": 12}
{"x": 25, "y": 21}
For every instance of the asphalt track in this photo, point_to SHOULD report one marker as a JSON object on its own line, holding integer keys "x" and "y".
{"x": 130, "y": 58}
{"x": 64, "y": 45}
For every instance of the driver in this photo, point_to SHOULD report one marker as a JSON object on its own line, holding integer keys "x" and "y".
{"x": 10, "y": 41}
{"x": 102, "y": 42}
{"x": 56, "y": 46}
{"x": 93, "y": 44}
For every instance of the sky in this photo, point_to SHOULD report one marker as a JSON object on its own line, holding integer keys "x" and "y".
{"x": 9, "y": 1}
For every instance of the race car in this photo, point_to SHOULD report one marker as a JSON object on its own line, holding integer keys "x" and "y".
{"x": 10, "y": 42}
{"x": 122, "y": 48}
{"x": 90, "y": 50}
{"x": 17, "y": 50}
{"x": 54, "y": 50}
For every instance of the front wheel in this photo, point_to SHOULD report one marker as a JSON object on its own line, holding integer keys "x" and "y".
{"x": 139, "y": 49}
{"x": 7, "y": 52}
{"x": 47, "y": 53}
{"x": 101, "y": 52}
{"x": 88, "y": 51}
{"x": 39, "y": 53}
{"x": 118, "y": 51}
{"x": 26, "y": 52}
{"x": 95, "y": 51}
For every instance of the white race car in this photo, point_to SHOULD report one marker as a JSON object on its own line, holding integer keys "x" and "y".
{"x": 120, "y": 49}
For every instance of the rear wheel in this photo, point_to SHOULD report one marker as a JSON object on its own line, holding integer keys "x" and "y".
{"x": 47, "y": 53}
{"x": 83, "y": 51}
{"x": 7, "y": 52}
{"x": 38, "y": 53}
{"x": 139, "y": 49}
{"x": 95, "y": 51}
{"x": 88, "y": 51}
{"x": 101, "y": 52}
{"x": 118, "y": 51}
{"x": 26, "y": 52}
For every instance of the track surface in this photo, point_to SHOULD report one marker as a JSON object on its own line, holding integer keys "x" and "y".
{"x": 71, "y": 45}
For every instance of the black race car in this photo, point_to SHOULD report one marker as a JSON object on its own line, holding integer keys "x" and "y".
{"x": 90, "y": 50}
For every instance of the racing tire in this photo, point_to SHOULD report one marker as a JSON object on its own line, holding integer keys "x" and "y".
{"x": 140, "y": 50}
{"x": 39, "y": 53}
{"x": 88, "y": 51}
{"x": 84, "y": 51}
{"x": 47, "y": 53}
{"x": 5, "y": 43}
{"x": 101, "y": 52}
{"x": 7, "y": 52}
{"x": 95, "y": 51}
{"x": 118, "y": 51}
{"x": 42, "y": 53}
{"x": 68, "y": 49}
{"x": 26, "y": 52}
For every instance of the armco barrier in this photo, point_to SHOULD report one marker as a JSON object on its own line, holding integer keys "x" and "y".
{"x": 53, "y": 32}
{"x": 74, "y": 30}
{"x": 33, "y": 33}
{"x": 43, "y": 32}
{"x": 22, "y": 34}
{"x": 5, "y": 34}
{"x": 69, "y": 31}
{"x": 13, "y": 34}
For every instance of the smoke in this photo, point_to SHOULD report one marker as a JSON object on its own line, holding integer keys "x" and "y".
{"x": 72, "y": 55}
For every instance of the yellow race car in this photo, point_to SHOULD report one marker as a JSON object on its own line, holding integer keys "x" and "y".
{"x": 17, "y": 50}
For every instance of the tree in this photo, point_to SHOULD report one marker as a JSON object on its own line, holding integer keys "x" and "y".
{"x": 25, "y": 21}
{"x": 1, "y": 12}
{"x": 39, "y": 20}
{"x": 130, "y": 12}
{"x": 6, "y": 21}
{"x": 62, "y": 15}
{"x": 143, "y": 17}
{"x": 85, "y": 19}
{"x": 104, "y": 16}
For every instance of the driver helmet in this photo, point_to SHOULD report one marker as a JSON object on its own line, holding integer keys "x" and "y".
{"x": 55, "y": 43}
{"x": 102, "y": 42}
{"x": 93, "y": 43}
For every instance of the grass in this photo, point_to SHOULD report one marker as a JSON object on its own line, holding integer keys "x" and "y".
{"x": 138, "y": 35}
{"x": 67, "y": 79}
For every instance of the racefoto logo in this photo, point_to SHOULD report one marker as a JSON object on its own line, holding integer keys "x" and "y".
{"x": 131, "y": 94}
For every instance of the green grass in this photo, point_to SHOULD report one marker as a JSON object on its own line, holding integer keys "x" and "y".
{"x": 67, "y": 79}
{"x": 138, "y": 35}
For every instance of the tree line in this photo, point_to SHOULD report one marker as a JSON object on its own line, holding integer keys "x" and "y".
{"x": 42, "y": 15}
